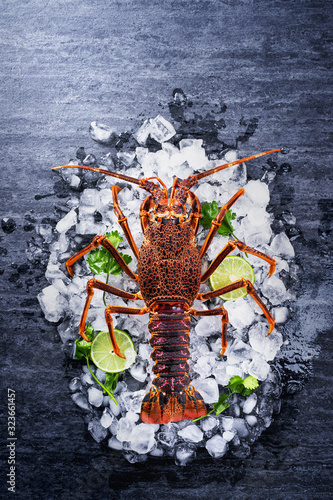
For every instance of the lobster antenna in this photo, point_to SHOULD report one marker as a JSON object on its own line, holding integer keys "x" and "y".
{"x": 200, "y": 176}
{"x": 126, "y": 178}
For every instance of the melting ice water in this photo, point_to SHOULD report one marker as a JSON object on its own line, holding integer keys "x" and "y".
{"x": 249, "y": 351}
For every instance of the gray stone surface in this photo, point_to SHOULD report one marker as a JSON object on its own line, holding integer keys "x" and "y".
{"x": 65, "y": 64}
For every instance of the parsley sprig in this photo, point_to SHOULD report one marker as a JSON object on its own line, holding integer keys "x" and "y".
{"x": 238, "y": 385}
{"x": 100, "y": 261}
{"x": 209, "y": 211}
{"x": 82, "y": 350}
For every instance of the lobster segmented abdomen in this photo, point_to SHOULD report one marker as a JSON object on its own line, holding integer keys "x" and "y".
{"x": 171, "y": 398}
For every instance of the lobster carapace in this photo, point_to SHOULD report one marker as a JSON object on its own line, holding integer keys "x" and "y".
{"x": 169, "y": 278}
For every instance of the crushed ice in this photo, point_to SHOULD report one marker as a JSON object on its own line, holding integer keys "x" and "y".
{"x": 249, "y": 351}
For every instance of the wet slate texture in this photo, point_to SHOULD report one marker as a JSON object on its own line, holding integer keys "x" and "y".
{"x": 265, "y": 65}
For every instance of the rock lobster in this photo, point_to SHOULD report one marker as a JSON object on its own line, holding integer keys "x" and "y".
{"x": 169, "y": 278}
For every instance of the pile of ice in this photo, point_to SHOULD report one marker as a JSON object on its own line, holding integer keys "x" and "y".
{"x": 249, "y": 351}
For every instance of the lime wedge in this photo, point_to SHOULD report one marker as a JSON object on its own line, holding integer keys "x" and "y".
{"x": 232, "y": 269}
{"x": 106, "y": 359}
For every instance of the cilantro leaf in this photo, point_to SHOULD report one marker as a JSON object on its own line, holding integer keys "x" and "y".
{"x": 250, "y": 384}
{"x": 90, "y": 332}
{"x": 111, "y": 382}
{"x": 209, "y": 211}
{"x": 243, "y": 386}
{"x": 100, "y": 261}
{"x": 82, "y": 349}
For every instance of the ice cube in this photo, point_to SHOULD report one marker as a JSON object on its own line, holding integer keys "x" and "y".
{"x": 238, "y": 352}
{"x": 81, "y": 401}
{"x": 138, "y": 371}
{"x": 145, "y": 351}
{"x": 241, "y": 314}
{"x": 115, "y": 408}
{"x": 114, "y": 444}
{"x": 259, "y": 368}
{"x": 233, "y": 370}
{"x": 239, "y": 425}
{"x": 168, "y": 435}
{"x": 217, "y": 446}
{"x": 142, "y": 438}
{"x": 142, "y": 134}
{"x": 227, "y": 423}
{"x": 208, "y": 389}
{"x": 184, "y": 453}
{"x": 257, "y": 216}
{"x": 228, "y": 435}
{"x": 275, "y": 290}
{"x": 208, "y": 325}
{"x": 106, "y": 418}
{"x": 67, "y": 222}
{"x": 97, "y": 431}
{"x": 258, "y": 193}
{"x": 52, "y": 303}
{"x": 251, "y": 420}
{"x": 75, "y": 384}
{"x": 100, "y": 375}
{"x": 100, "y": 133}
{"x": 133, "y": 417}
{"x": 106, "y": 160}
{"x": 191, "y": 433}
{"x": 282, "y": 246}
{"x": 157, "y": 452}
{"x": 220, "y": 373}
{"x": 161, "y": 130}
{"x": 209, "y": 424}
{"x": 269, "y": 345}
{"x": 125, "y": 428}
{"x": 281, "y": 315}
{"x": 254, "y": 235}
{"x": 87, "y": 379}
{"x": 95, "y": 397}
{"x": 194, "y": 155}
{"x": 89, "y": 201}
{"x": 203, "y": 366}
{"x": 126, "y": 158}
{"x": 250, "y": 403}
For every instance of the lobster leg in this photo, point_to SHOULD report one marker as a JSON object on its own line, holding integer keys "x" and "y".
{"x": 216, "y": 312}
{"x": 251, "y": 291}
{"x": 232, "y": 245}
{"x": 109, "y": 321}
{"x": 100, "y": 240}
{"x": 216, "y": 223}
{"x": 122, "y": 220}
{"x": 94, "y": 283}
{"x": 195, "y": 215}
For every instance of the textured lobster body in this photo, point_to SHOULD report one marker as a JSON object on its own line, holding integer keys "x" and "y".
{"x": 169, "y": 265}
{"x": 169, "y": 277}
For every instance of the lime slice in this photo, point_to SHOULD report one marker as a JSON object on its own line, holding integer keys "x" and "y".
{"x": 106, "y": 359}
{"x": 232, "y": 269}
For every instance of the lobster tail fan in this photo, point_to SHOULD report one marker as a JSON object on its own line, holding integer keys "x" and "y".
{"x": 159, "y": 407}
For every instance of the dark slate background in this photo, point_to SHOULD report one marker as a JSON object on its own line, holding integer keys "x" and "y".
{"x": 66, "y": 63}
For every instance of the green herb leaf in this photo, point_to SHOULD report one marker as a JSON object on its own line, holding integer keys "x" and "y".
{"x": 90, "y": 332}
{"x": 226, "y": 227}
{"x": 100, "y": 261}
{"x": 209, "y": 211}
{"x": 221, "y": 404}
{"x": 243, "y": 386}
{"x": 250, "y": 384}
{"x": 111, "y": 381}
{"x": 82, "y": 349}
